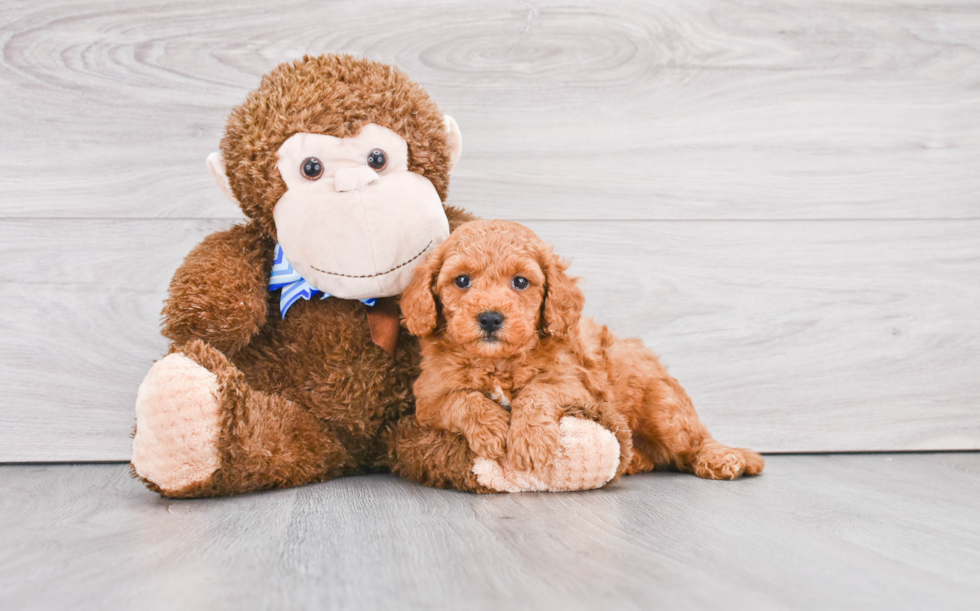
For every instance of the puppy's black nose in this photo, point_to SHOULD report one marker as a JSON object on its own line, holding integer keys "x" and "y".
{"x": 490, "y": 321}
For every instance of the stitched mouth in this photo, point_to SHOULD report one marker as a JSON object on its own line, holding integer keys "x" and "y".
{"x": 397, "y": 267}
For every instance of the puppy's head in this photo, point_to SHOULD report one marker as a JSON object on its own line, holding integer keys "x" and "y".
{"x": 493, "y": 288}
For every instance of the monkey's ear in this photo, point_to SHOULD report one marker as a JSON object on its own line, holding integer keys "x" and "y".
{"x": 216, "y": 168}
{"x": 455, "y": 140}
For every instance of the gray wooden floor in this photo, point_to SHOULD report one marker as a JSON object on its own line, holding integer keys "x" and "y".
{"x": 860, "y": 531}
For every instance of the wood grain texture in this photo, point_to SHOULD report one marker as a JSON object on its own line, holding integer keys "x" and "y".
{"x": 781, "y": 198}
{"x": 790, "y": 336}
{"x": 574, "y": 109}
{"x": 800, "y": 336}
{"x": 813, "y": 532}
{"x": 79, "y": 328}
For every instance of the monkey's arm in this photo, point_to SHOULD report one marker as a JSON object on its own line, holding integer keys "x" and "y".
{"x": 589, "y": 458}
{"x": 219, "y": 294}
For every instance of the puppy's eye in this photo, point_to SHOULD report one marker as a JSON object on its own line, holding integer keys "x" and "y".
{"x": 377, "y": 160}
{"x": 311, "y": 168}
{"x": 520, "y": 283}
{"x": 463, "y": 281}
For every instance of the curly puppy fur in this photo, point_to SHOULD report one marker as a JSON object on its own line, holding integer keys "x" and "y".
{"x": 310, "y": 396}
{"x": 505, "y": 390}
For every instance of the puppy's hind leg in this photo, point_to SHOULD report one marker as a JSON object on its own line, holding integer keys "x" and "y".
{"x": 672, "y": 434}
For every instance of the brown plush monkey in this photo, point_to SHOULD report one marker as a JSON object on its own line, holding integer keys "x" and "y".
{"x": 288, "y": 364}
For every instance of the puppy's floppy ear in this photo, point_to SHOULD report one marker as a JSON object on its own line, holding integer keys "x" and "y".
{"x": 563, "y": 300}
{"x": 418, "y": 302}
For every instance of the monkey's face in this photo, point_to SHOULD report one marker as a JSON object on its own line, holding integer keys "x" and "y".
{"x": 354, "y": 221}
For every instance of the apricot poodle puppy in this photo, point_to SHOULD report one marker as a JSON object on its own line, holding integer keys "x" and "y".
{"x": 506, "y": 354}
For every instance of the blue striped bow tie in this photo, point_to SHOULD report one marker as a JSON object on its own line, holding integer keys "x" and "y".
{"x": 292, "y": 284}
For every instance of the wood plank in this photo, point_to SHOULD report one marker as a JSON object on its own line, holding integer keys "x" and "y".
{"x": 790, "y": 336}
{"x": 813, "y": 532}
{"x": 80, "y": 327}
{"x": 801, "y": 336}
{"x": 570, "y": 109}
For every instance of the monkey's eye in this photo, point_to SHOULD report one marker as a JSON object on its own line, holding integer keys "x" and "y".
{"x": 377, "y": 160}
{"x": 520, "y": 283}
{"x": 311, "y": 168}
{"x": 463, "y": 281}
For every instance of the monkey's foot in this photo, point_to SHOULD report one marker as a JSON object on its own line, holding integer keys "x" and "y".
{"x": 177, "y": 425}
{"x": 587, "y": 458}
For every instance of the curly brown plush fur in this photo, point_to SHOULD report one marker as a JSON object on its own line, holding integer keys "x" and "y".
{"x": 309, "y": 396}
{"x": 359, "y": 92}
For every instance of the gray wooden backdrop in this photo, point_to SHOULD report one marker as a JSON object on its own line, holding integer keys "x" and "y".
{"x": 782, "y": 198}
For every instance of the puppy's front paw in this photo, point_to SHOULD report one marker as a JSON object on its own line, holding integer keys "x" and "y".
{"x": 533, "y": 447}
{"x": 489, "y": 439}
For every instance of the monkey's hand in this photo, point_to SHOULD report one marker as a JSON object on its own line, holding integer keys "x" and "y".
{"x": 587, "y": 458}
{"x": 219, "y": 294}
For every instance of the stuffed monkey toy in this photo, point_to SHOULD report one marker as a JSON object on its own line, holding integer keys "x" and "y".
{"x": 288, "y": 364}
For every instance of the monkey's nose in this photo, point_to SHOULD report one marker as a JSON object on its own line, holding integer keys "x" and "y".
{"x": 490, "y": 321}
{"x": 350, "y": 179}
